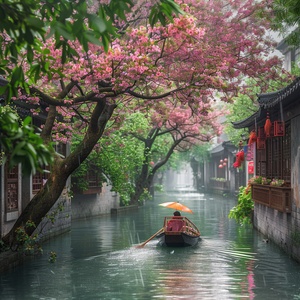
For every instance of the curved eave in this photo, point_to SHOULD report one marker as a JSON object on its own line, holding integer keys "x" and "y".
{"x": 250, "y": 121}
{"x": 282, "y": 46}
{"x": 285, "y": 95}
{"x": 217, "y": 150}
{"x": 229, "y": 146}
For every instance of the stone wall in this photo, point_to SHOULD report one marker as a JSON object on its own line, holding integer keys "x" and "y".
{"x": 57, "y": 221}
{"x": 84, "y": 206}
{"x": 279, "y": 227}
{"x": 62, "y": 214}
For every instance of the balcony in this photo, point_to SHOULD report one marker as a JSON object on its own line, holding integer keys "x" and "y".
{"x": 275, "y": 197}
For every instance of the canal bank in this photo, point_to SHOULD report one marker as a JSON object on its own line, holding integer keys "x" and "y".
{"x": 9, "y": 260}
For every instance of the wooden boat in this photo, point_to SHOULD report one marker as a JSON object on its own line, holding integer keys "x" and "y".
{"x": 178, "y": 232}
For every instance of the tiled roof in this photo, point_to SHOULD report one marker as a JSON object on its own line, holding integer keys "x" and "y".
{"x": 248, "y": 121}
{"x": 286, "y": 96}
{"x": 271, "y": 99}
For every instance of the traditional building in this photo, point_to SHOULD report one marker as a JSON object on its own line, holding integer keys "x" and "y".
{"x": 219, "y": 175}
{"x": 16, "y": 189}
{"x": 277, "y": 159}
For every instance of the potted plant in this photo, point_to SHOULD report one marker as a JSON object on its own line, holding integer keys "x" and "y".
{"x": 277, "y": 182}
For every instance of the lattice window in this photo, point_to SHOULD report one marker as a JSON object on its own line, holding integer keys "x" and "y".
{"x": 38, "y": 180}
{"x": 11, "y": 189}
{"x": 261, "y": 162}
{"x": 61, "y": 149}
{"x": 269, "y": 157}
{"x": 93, "y": 179}
{"x": 275, "y": 167}
{"x": 275, "y": 160}
{"x": 286, "y": 154}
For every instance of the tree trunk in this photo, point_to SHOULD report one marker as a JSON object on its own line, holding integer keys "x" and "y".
{"x": 141, "y": 186}
{"x": 145, "y": 178}
{"x": 43, "y": 201}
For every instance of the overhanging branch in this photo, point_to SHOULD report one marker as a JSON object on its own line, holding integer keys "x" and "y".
{"x": 147, "y": 97}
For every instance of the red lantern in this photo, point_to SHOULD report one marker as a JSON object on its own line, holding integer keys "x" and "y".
{"x": 252, "y": 137}
{"x": 268, "y": 126}
{"x": 220, "y": 166}
{"x": 240, "y": 156}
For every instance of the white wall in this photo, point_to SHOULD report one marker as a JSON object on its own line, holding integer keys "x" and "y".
{"x": 84, "y": 206}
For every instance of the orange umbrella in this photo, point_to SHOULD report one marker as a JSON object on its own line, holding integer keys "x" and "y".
{"x": 177, "y": 206}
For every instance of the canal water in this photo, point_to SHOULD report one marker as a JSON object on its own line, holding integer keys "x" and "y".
{"x": 99, "y": 259}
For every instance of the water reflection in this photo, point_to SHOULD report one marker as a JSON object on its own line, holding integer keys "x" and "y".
{"x": 98, "y": 259}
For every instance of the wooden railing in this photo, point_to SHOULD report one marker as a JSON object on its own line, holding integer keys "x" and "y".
{"x": 275, "y": 197}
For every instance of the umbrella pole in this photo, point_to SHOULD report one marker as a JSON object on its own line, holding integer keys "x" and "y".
{"x": 150, "y": 238}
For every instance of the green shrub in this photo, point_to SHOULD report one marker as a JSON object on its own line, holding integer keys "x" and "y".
{"x": 242, "y": 212}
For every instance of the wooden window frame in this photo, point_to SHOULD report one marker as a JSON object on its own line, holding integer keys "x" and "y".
{"x": 12, "y": 189}
{"x": 275, "y": 160}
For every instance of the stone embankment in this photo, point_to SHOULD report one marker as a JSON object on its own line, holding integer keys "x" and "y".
{"x": 9, "y": 260}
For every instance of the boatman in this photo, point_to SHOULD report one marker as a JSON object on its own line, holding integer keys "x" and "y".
{"x": 176, "y": 223}
{"x": 176, "y": 214}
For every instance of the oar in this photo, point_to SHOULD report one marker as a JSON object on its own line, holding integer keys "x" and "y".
{"x": 150, "y": 238}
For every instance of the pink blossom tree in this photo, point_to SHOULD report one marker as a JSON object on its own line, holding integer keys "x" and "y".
{"x": 25, "y": 25}
{"x": 203, "y": 55}
{"x": 132, "y": 155}
{"x": 172, "y": 128}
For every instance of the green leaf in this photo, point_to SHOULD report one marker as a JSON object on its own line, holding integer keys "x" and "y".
{"x": 92, "y": 39}
{"x": 29, "y": 38}
{"x": 32, "y": 165}
{"x": 78, "y": 27}
{"x": 46, "y": 51}
{"x": 62, "y": 30}
{"x": 35, "y": 23}
{"x": 30, "y": 149}
{"x": 19, "y": 149}
{"x": 27, "y": 121}
{"x": 153, "y": 18}
{"x": 9, "y": 92}
{"x": 3, "y": 89}
{"x": 16, "y": 75}
{"x": 34, "y": 72}
{"x": 105, "y": 41}
{"x": 97, "y": 23}
{"x": 29, "y": 54}
{"x": 174, "y": 7}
